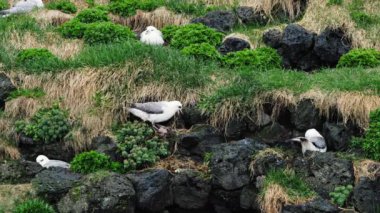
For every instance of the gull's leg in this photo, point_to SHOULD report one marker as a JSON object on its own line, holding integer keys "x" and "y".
{"x": 155, "y": 127}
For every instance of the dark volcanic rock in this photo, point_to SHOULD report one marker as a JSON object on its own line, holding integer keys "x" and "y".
{"x": 226, "y": 201}
{"x": 248, "y": 198}
{"x": 192, "y": 116}
{"x": 233, "y": 44}
{"x": 153, "y": 189}
{"x": 235, "y": 128}
{"x": 199, "y": 140}
{"x": 273, "y": 134}
{"x": 273, "y": 38}
{"x": 220, "y": 20}
{"x": 265, "y": 161}
{"x": 337, "y": 136}
{"x": 6, "y": 87}
{"x": 305, "y": 115}
{"x": 229, "y": 163}
{"x": 106, "y": 145}
{"x": 190, "y": 190}
{"x": 325, "y": 171}
{"x": 367, "y": 195}
{"x": 317, "y": 205}
{"x": 100, "y": 192}
{"x": 330, "y": 45}
{"x": 248, "y": 15}
{"x": 18, "y": 171}
{"x": 53, "y": 183}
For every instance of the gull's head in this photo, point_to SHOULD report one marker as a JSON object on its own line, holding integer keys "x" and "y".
{"x": 42, "y": 159}
{"x": 312, "y": 133}
{"x": 176, "y": 105}
{"x": 151, "y": 29}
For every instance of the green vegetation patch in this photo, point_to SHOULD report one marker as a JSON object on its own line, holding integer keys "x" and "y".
{"x": 262, "y": 58}
{"x": 73, "y": 29}
{"x": 107, "y": 32}
{"x": 128, "y": 8}
{"x": 47, "y": 125}
{"x": 169, "y": 31}
{"x": 360, "y": 58}
{"x": 340, "y": 194}
{"x": 34, "y": 206}
{"x": 371, "y": 141}
{"x": 93, "y": 161}
{"x": 92, "y": 15}
{"x": 203, "y": 51}
{"x": 37, "y": 60}
{"x": 28, "y": 93}
{"x": 294, "y": 186}
{"x": 195, "y": 34}
{"x": 361, "y": 18}
{"x": 65, "y": 6}
{"x": 139, "y": 146}
{"x": 4, "y": 4}
{"x": 335, "y": 2}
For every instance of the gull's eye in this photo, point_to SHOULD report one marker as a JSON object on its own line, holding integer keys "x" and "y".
{"x": 180, "y": 107}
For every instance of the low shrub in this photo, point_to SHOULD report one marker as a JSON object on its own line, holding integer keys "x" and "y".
{"x": 139, "y": 146}
{"x": 4, "y": 4}
{"x": 92, "y": 15}
{"x": 371, "y": 141}
{"x": 106, "y": 32}
{"x": 37, "y": 59}
{"x": 262, "y": 58}
{"x": 241, "y": 58}
{"x": 267, "y": 58}
{"x": 360, "y": 58}
{"x": 195, "y": 34}
{"x": 72, "y": 29}
{"x": 34, "y": 206}
{"x": 65, "y": 6}
{"x": 340, "y": 195}
{"x": 169, "y": 32}
{"x": 128, "y": 8}
{"x": 203, "y": 51}
{"x": 93, "y": 161}
{"x": 47, "y": 125}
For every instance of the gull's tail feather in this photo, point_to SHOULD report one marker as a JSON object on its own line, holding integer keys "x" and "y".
{"x": 138, "y": 113}
{"x": 297, "y": 139}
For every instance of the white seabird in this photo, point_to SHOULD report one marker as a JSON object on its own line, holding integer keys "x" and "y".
{"x": 155, "y": 112}
{"x": 313, "y": 141}
{"x": 45, "y": 162}
{"x": 152, "y": 36}
{"x": 22, "y": 6}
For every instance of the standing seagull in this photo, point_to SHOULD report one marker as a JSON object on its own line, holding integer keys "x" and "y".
{"x": 155, "y": 112}
{"x": 45, "y": 162}
{"x": 313, "y": 141}
{"x": 152, "y": 36}
{"x": 22, "y": 6}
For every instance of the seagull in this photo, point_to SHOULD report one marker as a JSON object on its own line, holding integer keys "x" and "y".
{"x": 155, "y": 112}
{"x": 22, "y": 6}
{"x": 45, "y": 162}
{"x": 152, "y": 36}
{"x": 313, "y": 141}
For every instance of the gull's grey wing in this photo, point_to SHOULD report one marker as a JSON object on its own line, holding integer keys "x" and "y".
{"x": 318, "y": 142}
{"x": 150, "y": 107}
{"x": 57, "y": 163}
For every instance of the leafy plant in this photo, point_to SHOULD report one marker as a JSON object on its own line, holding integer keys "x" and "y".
{"x": 202, "y": 51}
{"x": 72, "y": 29}
{"x": 47, "y": 125}
{"x": 195, "y": 34}
{"x": 139, "y": 146}
{"x": 340, "y": 194}
{"x": 335, "y": 2}
{"x": 360, "y": 58}
{"x": 34, "y": 206}
{"x": 65, "y": 6}
{"x": 371, "y": 141}
{"x": 90, "y": 3}
{"x": 28, "y": 93}
{"x": 128, "y": 8}
{"x": 4, "y": 4}
{"x": 93, "y": 161}
{"x": 37, "y": 59}
{"x": 263, "y": 58}
{"x": 169, "y": 32}
{"x": 106, "y": 32}
{"x": 92, "y": 15}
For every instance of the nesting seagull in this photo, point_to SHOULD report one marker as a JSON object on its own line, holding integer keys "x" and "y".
{"x": 313, "y": 141}
{"x": 22, "y": 6}
{"x": 152, "y": 36}
{"x": 45, "y": 162}
{"x": 155, "y": 112}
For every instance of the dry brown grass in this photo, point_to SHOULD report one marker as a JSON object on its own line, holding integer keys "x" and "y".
{"x": 8, "y": 152}
{"x": 273, "y": 199}
{"x": 261, "y": 154}
{"x": 172, "y": 164}
{"x": 158, "y": 18}
{"x": 10, "y": 194}
{"x": 51, "y": 17}
{"x": 366, "y": 168}
{"x": 62, "y": 48}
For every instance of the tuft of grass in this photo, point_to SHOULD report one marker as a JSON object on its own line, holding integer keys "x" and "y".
{"x": 360, "y": 16}
{"x": 4, "y": 4}
{"x": 34, "y": 206}
{"x": 63, "y": 5}
{"x": 28, "y": 93}
{"x": 335, "y": 2}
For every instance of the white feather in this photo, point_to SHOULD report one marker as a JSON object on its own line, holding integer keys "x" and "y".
{"x": 152, "y": 36}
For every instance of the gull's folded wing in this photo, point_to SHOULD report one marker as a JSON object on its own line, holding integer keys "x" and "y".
{"x": 150, "y": 107}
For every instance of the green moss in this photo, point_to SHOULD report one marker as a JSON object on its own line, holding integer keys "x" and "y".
{"x": 260, "y": 58}
{"x": 340, "y": 194}
{"x": 34, "y": 206}
{"x": 360, "y": 58}
{"x": 169, "y": 32}
{"x": 107, "y": 32}
{"x": 203, "y": 51}
{"x": 89, "y": 162}
{"x": 92, "y": 15}
{"x": 63, "y": 5}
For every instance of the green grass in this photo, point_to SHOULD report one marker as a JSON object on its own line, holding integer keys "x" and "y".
{"x": 294, "y": 186}
{"x": 361, "y": 18}
{"x": 28, "y": 93}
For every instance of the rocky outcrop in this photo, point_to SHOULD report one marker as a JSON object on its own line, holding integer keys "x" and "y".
{"x": 153, "y": 189}
{"x": 324, "y": 171}
{"x": 222, "y": 21}
{"x": 192, "y": 116}
{"x": 305, "y": 115}
{"x": 106, "y": 145}
{"x": 273, "y": 134}
{"x": 367, "y": 195}
{"x": 316, "y": 206}
{"x": 53, "y": 183}
{"x": 190, "y": 190}
{"x": 248, "y": 15}
{"x": 6, "y": 87}
{"x": 233, "y": 44}
{"x": 304, "y": 50}
{"x": 337, "y": 136}
{"x": 265, "y": 161}
{"x": 100, "y": 192}
{"x": 199, "y": 140}
{"x": 16, "y": 172}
